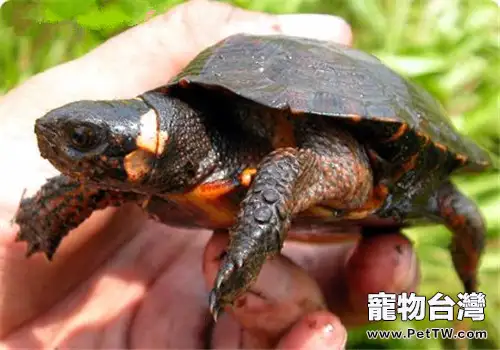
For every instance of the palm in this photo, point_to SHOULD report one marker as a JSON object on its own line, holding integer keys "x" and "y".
{"x": 141, "y": 284}
{"x": 149, "y": 292}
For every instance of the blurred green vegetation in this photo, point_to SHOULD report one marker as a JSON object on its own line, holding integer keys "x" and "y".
{"x": 450, "y": 47}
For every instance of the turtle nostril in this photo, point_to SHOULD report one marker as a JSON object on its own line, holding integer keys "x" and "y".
{"x": 45, "y": 136}
{"x": 40, "y": 127}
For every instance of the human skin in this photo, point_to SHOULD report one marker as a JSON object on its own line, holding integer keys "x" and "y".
{"x": 121, "y": 280}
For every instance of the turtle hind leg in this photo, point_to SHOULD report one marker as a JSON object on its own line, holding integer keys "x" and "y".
{"x": 327, "y": 166}
{"x": 462, "y": 217}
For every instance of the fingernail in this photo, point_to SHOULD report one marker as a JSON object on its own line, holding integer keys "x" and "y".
{"x": 318, "y": 330}
{"x": 316, "y": 26}
{"x": 331, "y": 337}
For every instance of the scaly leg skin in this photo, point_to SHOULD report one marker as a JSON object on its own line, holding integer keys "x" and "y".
{"x": 462, "y": 217}
{"x": 328, "y": 165}
{"x": 58, "y": 207}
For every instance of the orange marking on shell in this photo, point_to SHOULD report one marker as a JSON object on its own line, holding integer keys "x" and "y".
{"x": 356, "y": 118}
{"x": 410, "y": 164}
{"x": 385, "y": 119}
{"x": 247, "y": 175}
{"x": 184, "y": 83}
{"x": 441, "y": 146}
{"x": 296, "y": 113}
{"x": 400, "y": 132}
{"x": 427, "y": 138}
{"x": 283, "y": 132}
{"x": 213, "y": 190}
{"x": 137, "y": 164}
{"x": 461, "y": 158}
{"x": 212, "y": 214}
{"x": 375, "y": 200}
{"x": 207, "y": 200}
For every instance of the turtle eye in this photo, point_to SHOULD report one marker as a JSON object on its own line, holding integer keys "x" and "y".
{"x": 83, "y": 137}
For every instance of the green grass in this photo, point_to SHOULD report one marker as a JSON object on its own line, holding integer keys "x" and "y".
{"x": 450, "y": 47}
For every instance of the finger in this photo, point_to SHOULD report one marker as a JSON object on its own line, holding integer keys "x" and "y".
{"x": 227, "y": 333}
{"x": 315, "y": 331}
{"x": 348, "y": 272}
{"x": 269, "y": 308}
{"x": 30, "y": 287}
{"x": 147, "y": 295}
{"x": 385, "y": 263}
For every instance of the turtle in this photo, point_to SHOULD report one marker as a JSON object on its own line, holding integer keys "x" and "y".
{"x": 255, "y": 135}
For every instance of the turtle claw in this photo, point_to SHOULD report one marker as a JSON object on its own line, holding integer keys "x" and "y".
{"x": 225, "y": 272}
{"x": 215, "y": 309}
{"x": 12, "y": 220}
{"x": 236, "y": 273}
{"x": 32, "y": 249}
{"x": 216, "y": 296}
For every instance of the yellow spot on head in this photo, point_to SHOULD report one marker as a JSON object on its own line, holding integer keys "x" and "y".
{"x": 150, "y": 139}
{"x": 162, "y": 142}
{"x": 138, "y": 164}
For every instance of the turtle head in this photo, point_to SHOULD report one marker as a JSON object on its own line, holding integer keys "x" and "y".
{"x": 109, "y": 143}
{"x": 148, "y": 144}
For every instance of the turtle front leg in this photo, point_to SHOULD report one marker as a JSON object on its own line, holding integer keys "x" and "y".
{"x": 61, "y": 205}
{"x": 327, "y": 166}
{"x": 462, "y": 217}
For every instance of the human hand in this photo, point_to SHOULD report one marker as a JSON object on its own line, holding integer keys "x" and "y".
{"x": 121, "y": 280}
